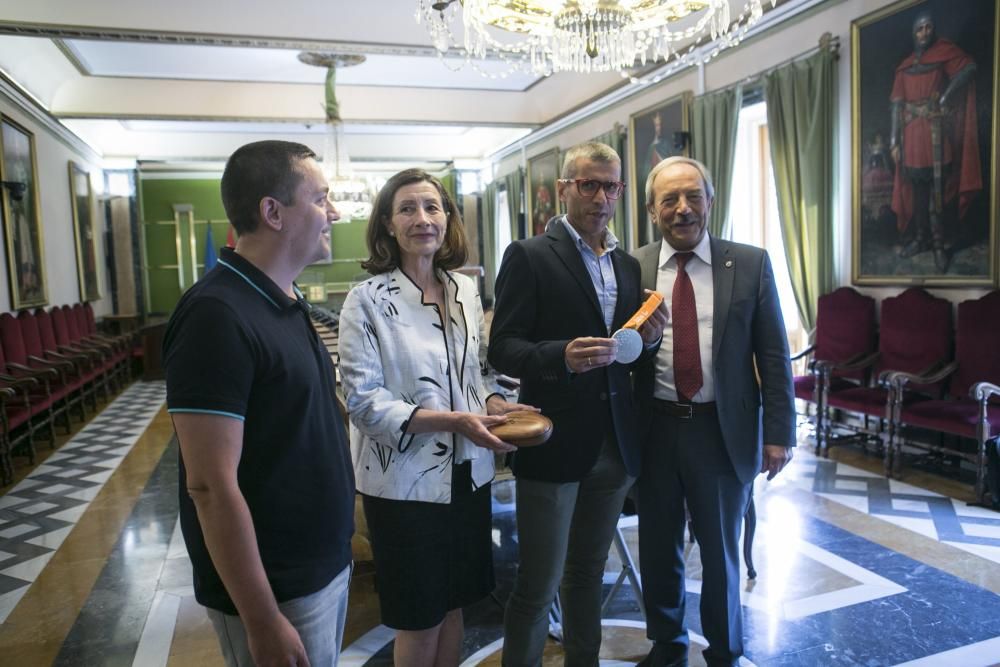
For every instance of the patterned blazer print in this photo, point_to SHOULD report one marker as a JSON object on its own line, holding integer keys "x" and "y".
{"x": 395, "y": 357}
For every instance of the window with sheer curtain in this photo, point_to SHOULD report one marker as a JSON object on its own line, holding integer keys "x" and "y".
{"x": 502, "y": 224}
{"x": 754, "y": 198}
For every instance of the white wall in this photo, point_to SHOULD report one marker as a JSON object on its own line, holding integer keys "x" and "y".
{"x": 751, "y": 58}
{"x": 53, "y": 154}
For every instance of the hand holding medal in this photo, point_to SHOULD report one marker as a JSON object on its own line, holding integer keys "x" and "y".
{"x": 650, "y": 320}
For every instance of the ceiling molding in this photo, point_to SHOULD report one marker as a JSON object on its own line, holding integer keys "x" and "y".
{"x": 65, "y": 32}
{"x": 28, "y": 105}
{"x": 318, "y": 120}
{"x": 79, "y": 62}
{"x": 72, "y": 56}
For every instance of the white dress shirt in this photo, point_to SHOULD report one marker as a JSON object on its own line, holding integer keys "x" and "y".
{"x": 699, "y": 268}
{"x": 600, "y": 269}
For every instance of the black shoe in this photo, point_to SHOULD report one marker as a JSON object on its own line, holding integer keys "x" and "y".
{"x": 666, "y": 655}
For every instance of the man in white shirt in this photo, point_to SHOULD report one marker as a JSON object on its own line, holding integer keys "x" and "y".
{"x": 710, "y": 425}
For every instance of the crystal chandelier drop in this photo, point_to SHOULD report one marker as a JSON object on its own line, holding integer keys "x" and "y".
{"x": 546, "y": 36}
{"x": 351, "y": 196}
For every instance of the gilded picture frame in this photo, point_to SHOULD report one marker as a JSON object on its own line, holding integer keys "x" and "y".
{"x": 651, "y": 138}
{"x": 540, "y": 189}
{"x": 24, "y": 241}
{"x": 84, "y": 233}
{"x": 924, "y": 156}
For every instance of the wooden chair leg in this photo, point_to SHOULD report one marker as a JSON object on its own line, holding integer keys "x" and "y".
{"x": 6, "y": 466}
{"x": 51, "y": 422}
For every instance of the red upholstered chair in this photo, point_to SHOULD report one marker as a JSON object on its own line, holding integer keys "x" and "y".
{"x": 15, "y": 426}
{"x": 127, "y": 333}
{"x": 971, "y": 407}
{"x": 16, "y": 414}
{"x": 67, "y": 384}
{"x": 14, "y": 335}
{"x": 845, "y": 336}
{"x": 115, "y": 349}
{"x": 915, "y": 337}
{"x": 84, "y": 367}
{"x": 34, "y": 406}
{"x": 64, "y": 328}
{"x": 88, "y": 325}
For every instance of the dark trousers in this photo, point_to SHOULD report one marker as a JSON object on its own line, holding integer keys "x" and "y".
{"x": 685, "y": 463}
{"x": 564, "y": 533}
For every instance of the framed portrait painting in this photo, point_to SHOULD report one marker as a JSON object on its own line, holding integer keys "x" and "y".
{"x": 21, "y": 216}
{"x": 542, "y": 198}
{"x": 82, "y": 200}
{"x": 615, "y": 138}
{"x": 924, "y": 135}
{"x": 653, "y": 136}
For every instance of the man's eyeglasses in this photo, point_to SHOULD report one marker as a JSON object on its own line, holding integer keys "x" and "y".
{"x": 588, "y": 187}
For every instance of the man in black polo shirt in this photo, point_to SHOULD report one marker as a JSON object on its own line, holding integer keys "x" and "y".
{"x": 266, "y": 483}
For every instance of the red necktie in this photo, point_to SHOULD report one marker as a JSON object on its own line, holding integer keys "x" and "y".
{"x": 684, "y": 317}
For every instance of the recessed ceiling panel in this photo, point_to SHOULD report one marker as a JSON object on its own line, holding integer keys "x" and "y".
{"x": 171, "y": 126}
{"x": 370, "y": 142}
{"x": 223, "y": 63}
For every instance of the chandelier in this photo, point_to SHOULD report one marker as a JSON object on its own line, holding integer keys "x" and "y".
{"x": 546, "y": 36}
{"x": 351, "y": 196}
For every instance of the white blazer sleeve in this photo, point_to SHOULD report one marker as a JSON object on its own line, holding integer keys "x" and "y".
{"x": 374, "y": 410}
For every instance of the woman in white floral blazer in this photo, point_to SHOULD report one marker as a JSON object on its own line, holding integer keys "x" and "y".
{"x": 421, "y": 399}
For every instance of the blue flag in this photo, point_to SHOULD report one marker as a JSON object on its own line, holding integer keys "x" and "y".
{"x": 211, "y": 257}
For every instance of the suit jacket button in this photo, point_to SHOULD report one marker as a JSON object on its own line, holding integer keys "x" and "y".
{"x": 604, "y": 396}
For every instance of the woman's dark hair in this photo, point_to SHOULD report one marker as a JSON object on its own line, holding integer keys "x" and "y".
{"x": 383, "y": 250}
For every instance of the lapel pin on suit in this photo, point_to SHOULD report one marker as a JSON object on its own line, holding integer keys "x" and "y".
{"x": 729, "y": 263}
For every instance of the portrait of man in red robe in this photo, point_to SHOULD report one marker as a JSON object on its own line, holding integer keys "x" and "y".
{"x": 933, "y": 143}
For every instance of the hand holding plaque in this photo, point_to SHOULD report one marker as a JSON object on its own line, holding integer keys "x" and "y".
{"x": 523, "y": 428}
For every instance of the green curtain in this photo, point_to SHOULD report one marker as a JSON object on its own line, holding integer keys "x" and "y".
{"x": 515, "y": 194}
{"x": 489, "y": 236}
{"x": 449, "y": 180}
{"x": 800, "y": 115}
{"x": 619, "y": 225}
{"x": 714, "y": 119}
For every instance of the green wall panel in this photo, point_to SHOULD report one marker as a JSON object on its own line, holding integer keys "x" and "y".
{"x": 161, "y": 244}
{"x": 160, "y": 195}
{"x": 158, "y": 198}
{"x": 164, "y": 290}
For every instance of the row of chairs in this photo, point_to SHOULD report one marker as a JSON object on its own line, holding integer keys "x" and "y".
{"x": 911, "y": 369}
{"x": 52, "y": 365}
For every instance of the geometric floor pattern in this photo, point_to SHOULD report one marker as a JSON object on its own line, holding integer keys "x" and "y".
{"x": 38, "y": 513}
{"x": 973, "y": 529}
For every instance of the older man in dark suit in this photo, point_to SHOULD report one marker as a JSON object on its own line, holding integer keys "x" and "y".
{"x": 719, "y": 386}
{"x": 559, "y": 296}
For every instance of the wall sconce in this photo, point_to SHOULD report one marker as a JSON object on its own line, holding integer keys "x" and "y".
{"x": 16, "y": 188}
{"x": 681, "y": 140}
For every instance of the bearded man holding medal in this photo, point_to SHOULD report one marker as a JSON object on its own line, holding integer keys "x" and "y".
{"x": 559, "y": 298}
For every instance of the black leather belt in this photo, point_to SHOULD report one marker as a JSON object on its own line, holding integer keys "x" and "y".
{"x": 682, "y": 410}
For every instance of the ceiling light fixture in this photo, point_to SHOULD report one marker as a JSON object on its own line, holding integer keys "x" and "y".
{"x": 546, "y": 36}
{"x": 351, "y": 196}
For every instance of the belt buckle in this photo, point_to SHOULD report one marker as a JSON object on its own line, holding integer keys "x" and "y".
{"x": 690, "y": 410}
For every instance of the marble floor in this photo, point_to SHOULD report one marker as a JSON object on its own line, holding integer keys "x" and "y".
{"x": 852, "y": 569}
